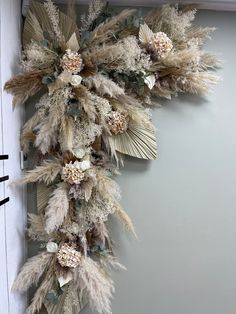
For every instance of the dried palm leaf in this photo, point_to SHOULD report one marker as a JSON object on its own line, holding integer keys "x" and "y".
{"x": 136, "y": 141}
{"x": 37, "y": 18}
{"x": 71, "y": 301}
{"x": 71, "y": 10}
{"x": 145, "y": 34}
{"x": 32, "y": 29}
{"x": 73, "y": 43}
{"x": 36, "y": 229}
{"x": 43, "y": 194}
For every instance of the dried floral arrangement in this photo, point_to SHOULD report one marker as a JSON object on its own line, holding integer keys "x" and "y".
{"x": 96, "y": 85}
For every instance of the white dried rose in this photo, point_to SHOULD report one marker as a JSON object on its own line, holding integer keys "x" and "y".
{"x": 85, "y": 165}
{"x": 74, "y": 228}
{"x": 79, "y": 153}
{"x": 52, "y": 247}
{"x": 76, "y": 80}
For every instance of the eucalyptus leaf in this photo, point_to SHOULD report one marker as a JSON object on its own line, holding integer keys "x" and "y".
{"x": 52, "y": 296}
{"x": 73, "y": 110}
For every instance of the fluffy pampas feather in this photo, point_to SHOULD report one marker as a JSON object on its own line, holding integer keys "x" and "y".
{"x": 46, "y": 172}
{"x": 24, "y": 86}
{"x": 97, "y": 284}
{"x": 32, "y": 271}
{"x": 57, "y": 208}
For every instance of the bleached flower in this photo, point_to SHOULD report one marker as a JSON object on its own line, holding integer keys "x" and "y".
{"x": 79, "y": 153}
{"x": 150, "y": 81}
{"x": 160, "y": 44}
{"x": 68, "y": 256}
{"x": 85, "y": 165}
{"x": 52, "y": 247}
{"x": 72, "y": 61}
{"x": 118, "y": 122}
{"x": 74, "y": 228}
{"x": 76, "y": 80}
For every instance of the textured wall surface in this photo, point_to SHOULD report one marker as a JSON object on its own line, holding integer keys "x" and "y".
{"x": 183, "y": 204}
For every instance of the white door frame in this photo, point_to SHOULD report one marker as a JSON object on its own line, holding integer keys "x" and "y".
{"x": 13, "y": 213}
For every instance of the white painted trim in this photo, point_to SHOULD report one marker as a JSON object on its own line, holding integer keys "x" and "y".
{"x": 13, "y": 213}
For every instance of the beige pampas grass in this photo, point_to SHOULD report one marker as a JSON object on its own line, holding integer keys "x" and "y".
{"x": 32, "y": 271}
{"x": 36, "y": 57}
{"x": 53, "y": 15}
{"x": 104, "y": 32}
{"x": 49, "y": 128}
{"x": 124, "y": 56}
{"x": 47, "y": 135}
{"x": 36, "y": 229}
{"x": 27, "y": 134}
{"x": 41, "y": 292}
{"x": 171, "y": 21}
{"x": 110, "y": 262}
{"x": 95, "y": 8}
{"x": 57, "y": 208}
{"x": 24, "y": 86}
{"x": 125, "y": 219}
{"x": 103, "y": 86}
{"x": 96, "y": 283}
{"x": 46, "y": 172}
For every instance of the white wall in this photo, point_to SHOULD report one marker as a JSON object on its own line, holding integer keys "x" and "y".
{"x": 13, "y": 214}
{"x": 183, "y": 204}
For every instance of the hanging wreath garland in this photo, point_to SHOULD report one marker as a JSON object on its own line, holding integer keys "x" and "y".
{"x": 96, "y": 84}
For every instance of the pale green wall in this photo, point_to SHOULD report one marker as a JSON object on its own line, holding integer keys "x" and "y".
{"x": 183, "y": 204}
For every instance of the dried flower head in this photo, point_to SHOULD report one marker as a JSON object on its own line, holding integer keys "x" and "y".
{"x": 72, "y": 61}
{"x": 118, "y": 122}
{"x": 72, "y": 173}
{"x": 160, "y": 44}
{"x": 68, "y": 256}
